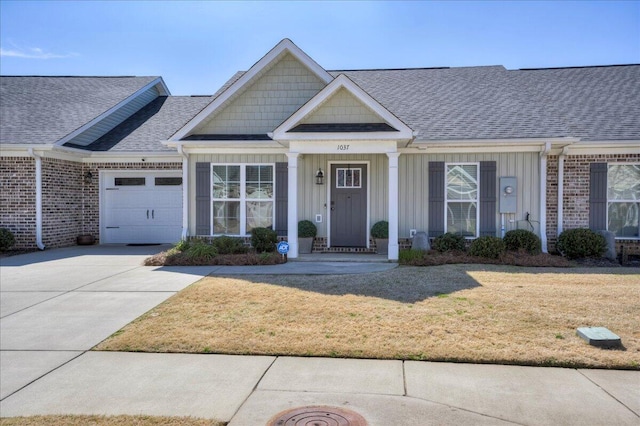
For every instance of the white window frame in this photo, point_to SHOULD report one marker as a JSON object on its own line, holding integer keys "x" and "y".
{"x": 243, "y": 196}
{"x": 476, "y": 201}
{"x": 609, "y": 165}
{"x": 345, "y": 169}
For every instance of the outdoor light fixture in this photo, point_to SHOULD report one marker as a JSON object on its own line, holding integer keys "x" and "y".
{"x": 319, "y": 177}
{"x": 87, "y": 177}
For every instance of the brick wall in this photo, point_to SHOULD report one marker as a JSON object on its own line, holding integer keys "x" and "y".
{"x": 18, "y": 199}
{"x": 576, "y": 190}
{"x": 61, "y": 202}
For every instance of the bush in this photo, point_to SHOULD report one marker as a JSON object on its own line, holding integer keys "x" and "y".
{"x": 581, "y": 242}
{"x": 182, "y": 245}
{"x": 411, "y": 257}
{"x": 201, "y": 250}
{"x": 487, "y": 246}
{"x": 229, "y": 245}
{"x": 7, "y": 240}
{"x": 448, "y": 242}
{"x": 306, "y": 229}
{"x": 380, "y": 229}
{"x": 523, "y": 239}
{"x": 264, "y": 240}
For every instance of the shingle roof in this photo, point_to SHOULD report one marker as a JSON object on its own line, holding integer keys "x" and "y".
{"x": 156, "y": 122}
{"x": 43, "y": 110}
{"x": 593, "y": 103}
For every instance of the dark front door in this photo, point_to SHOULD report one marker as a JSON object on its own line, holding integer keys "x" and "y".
{"x": 348, "y": 205}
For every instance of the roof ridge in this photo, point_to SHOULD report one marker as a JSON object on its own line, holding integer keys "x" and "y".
{"x": 577, "y": 67}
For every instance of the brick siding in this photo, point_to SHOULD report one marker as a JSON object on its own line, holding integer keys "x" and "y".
{"x": 18, "y": 199}
{"x": 576, "y": 191}
{"x": 70, "y": 207}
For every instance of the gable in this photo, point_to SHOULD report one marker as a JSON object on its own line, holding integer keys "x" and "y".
{"x": 342, "y": 107}
{"x": 274, "y": 96}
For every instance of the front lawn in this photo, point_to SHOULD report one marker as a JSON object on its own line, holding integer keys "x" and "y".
{"x": 465, "y": 313}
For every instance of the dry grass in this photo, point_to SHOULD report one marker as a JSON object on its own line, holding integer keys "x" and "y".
{"x": 69, "y": 420}
{"x": 466, "y": 313}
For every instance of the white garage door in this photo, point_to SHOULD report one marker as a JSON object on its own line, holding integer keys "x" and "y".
{"x": 141, "y": 207}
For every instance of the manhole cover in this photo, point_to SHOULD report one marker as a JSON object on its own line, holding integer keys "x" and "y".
{"x": 317, "y": 416}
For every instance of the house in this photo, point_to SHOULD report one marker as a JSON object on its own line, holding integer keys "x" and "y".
{"x": 473, "y": 150}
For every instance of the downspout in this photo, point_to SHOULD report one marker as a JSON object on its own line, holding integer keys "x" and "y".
{"x": 38, "y": 159}
{"x": 543, "y": 195}
{"x": 185, "y": 192}
{"x": 561, "y": 189}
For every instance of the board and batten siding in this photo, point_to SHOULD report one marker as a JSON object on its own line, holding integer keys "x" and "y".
{"x": 413, "y": 177}
{"x": 109, "y": 123}
{"x": 313, "y": 199}
{"x": 413, "y": 184}
{"x": 194, "y": 159}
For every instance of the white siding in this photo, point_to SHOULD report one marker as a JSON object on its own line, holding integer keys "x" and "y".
{"x": 275, "y": 95}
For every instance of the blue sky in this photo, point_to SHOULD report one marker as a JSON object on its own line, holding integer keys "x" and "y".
{"x": 196, "y": 46}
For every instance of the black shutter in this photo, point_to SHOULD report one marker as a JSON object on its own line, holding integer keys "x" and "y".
{"x": 203, "y": 199}
{"x": 598, "y": 196}
{"x": 488, "y": 198}
{"x": 436, "y": 198}
{"x": 282, "y": 191}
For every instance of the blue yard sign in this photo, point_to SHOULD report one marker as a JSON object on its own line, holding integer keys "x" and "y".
{"x": 283, "y": 247}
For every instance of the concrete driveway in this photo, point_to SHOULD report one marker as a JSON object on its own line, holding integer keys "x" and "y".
{"x": 57, "y": 304}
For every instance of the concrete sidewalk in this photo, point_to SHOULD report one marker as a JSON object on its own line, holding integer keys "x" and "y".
{"x": 250, "y": 390}
{"x": 57, "y": 304}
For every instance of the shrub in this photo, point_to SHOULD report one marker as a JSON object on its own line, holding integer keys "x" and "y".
{"x": 264, "y": 240}
{"x": 7, "y": 240}
{"x": 229, "y": 245}
{"x": 182, "y": 245}
{"x": 201, "y": 250}
{"x": 380, "y": 229}
{"x": 448, "y": 242}
{"x": 581, "y": 242}
{"x": 523, "y": 239}
{"x": 488, "y": 246}
{"x": 306, "y": 229}
{"x": 411, "y": 257}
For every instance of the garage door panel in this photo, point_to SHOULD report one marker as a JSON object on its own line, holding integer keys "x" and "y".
{"x": 141, "y": 214}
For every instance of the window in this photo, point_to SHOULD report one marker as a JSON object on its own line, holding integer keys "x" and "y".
{"x": 242, "y": 197}
{"x": 168, "y": 181}
{"x": 623, "y": 199}
{"x": 130, "y": 181}
{"x": 461, "y": 199}
{"x": 348, "y": 177}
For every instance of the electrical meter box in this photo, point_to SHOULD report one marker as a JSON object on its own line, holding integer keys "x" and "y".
{"x": 508, "y": 194}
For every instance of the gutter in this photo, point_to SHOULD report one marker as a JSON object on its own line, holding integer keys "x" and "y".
{"x": 543, "y": 195}
{"x": 38, "y": 159}
{"x": 185, "y": 191}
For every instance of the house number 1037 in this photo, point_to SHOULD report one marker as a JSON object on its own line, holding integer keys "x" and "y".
{"x": 343, "y": 147}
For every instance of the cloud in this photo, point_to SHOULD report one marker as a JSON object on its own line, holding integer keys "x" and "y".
{"x": 33, "y": 53}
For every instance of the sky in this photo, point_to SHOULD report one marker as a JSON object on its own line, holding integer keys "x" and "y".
{"x": 198, "y": 45}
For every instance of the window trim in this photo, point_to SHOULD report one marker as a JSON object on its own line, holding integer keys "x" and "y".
{"x": 620, "y": 201}
{"x": 243, "y": 197}
{"x": 476, "y": 200}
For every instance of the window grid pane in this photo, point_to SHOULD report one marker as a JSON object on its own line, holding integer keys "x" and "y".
{"x": 226, "y": 217}
{"x": 624, "y": 182}
{"x": 462, "y": 218}
{"x": 348, "y": 178}
{"x": 462, "y": 182}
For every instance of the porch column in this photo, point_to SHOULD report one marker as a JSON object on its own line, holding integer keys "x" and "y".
{"x": 393, "y": 205}
{"x": 292, "y": 205}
